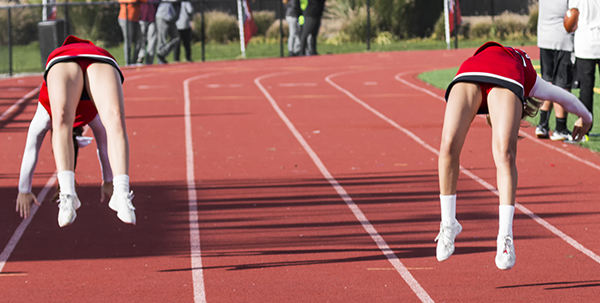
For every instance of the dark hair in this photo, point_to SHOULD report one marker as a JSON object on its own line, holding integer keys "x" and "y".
{"x": 77, "y": 131}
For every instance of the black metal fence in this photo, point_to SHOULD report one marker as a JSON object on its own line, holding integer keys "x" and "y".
{"x": 23, "y": 34}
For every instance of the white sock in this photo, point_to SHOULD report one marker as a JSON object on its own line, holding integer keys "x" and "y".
{"x": 121, "y": 184}
{"x": 506, "y": 214}
{"x": 448, "y": 204}
{"x": 66, "y": 181}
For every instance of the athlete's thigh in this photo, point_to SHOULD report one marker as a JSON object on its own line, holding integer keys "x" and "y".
{"x": 65, "y": 84}
{"x": 103, "y": 84}
{"x": 464, "y": 101}
{"x": 505, "y": 113}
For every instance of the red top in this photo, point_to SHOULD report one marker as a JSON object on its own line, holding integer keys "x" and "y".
{"x": 73, "y": 48}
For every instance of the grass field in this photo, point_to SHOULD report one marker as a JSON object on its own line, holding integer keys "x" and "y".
{"x": 26, "y": 58}
{"x": 441, "y": 79}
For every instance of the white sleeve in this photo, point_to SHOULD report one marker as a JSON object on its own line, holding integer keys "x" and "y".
{"x": 101, "y": 147}
{"x": 545, "y": 91}
{"x": 39, "y": 126}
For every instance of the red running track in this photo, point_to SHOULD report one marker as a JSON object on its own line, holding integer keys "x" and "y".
{"x": 298, "y": 180}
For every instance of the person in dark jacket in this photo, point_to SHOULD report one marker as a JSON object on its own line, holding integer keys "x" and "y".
{"x": 310, "y": 30}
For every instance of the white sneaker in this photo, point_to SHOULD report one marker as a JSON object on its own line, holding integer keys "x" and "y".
{"x": 505, "y": 253}
{"x": 564, "y": 135}
{"x": 67, "y": 206}
{"x": 445, "y": 239}
{"x": 121, "y": 203}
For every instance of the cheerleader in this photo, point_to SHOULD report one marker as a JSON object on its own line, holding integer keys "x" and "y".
{"x": 79, "y": 70}
{"x": 497, "y": 81}
{"x": 39, "y": 126}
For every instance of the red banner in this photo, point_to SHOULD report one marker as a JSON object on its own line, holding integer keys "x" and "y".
{"x": 452, "y": 4}
{"x": 250, "y": 27}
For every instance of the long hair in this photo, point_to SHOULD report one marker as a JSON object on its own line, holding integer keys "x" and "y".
{"x": 531, "y": 107}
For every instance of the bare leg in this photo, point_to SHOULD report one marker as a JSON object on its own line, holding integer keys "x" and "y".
{"x": 559, "y": 112}
{"x": 463, "y": 103}
{"x": 505, "y": 113}
{"x": 104, "y": 87}
{"x": 65, "y": 84}
{"x": 547, "y": 106}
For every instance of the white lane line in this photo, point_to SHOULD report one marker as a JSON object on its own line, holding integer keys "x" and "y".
{"x": 16, "y": 237}
{"x": 12, "y": 243}
{"x": 15, "y": 106}
{"x": 562, "y": 151}
{"x": 360, "y": 216}
{"x": 479, "y": 180}
{"x": 519, "y": 206}
{"x": 195, "y": 247}
{"x": 297, "y": 84}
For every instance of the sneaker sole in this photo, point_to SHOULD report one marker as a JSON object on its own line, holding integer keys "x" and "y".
{"x": 63, "y": 224}
{"x": 121, "y": 217}
{"x": 454, "y": 249}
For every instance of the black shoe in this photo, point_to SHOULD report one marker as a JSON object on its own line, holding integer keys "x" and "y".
{"x": 161, "y": 59}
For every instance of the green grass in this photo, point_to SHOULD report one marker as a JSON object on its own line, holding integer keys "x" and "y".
{"x": 441, "y": 79}
{"x": 27, "y": 59}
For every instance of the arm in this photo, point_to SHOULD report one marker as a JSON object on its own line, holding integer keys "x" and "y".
{"x": 101, "y": 144}
{"x": 188, "y": 8}
{"x": 545, "y": 91}
{"x": 39, "y": 126}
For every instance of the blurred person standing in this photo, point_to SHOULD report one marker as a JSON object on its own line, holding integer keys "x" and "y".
{"x": 310, "y": 29}
{"x": 292, "y": 12}
{"x": 587, "y": 48}
{"x": 167, "y": 14}
{"x": 129, "y": 17}
{"x": 556, "y": 50}
{"x": 148, "y": 31}
{"x": 184, "y": 29}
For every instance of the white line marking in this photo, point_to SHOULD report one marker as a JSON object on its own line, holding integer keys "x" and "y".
{"x": 383, "y": 246}
{"x": 12, "y": 243}
{"x": 14, "y": 107}
{"x": 195, "y": 247}
{"x": 297, "y": 84}
{"x": 491, "y": 188}
{"x": 562, "y": 151}
{"x": 14, "y": 240}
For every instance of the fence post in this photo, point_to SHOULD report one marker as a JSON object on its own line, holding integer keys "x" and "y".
{"x": 368, "y": 25}
{"x": 127, "y": 43}
{"x": 202, "y": 28}
{"x": 66, "y": 18}
{"x": 10, "y": 69}
{"x": 455, "y": 25}
{"x": 281, "y": 28}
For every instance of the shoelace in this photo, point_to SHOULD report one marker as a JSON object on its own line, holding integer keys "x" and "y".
{"x": 444, "y": 234}
{"x": 63, "y": 202}
{"x": 507, "y": 242}
{"x": 128, "y": 200}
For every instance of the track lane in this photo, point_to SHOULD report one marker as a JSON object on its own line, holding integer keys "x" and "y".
{"x": 292, "y": 237}
{"x": 292, "y": 251}
{"x": 533, "y": 153}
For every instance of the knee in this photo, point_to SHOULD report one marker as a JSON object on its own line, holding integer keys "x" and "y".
{"x": 505, "y": 156}
{"x": 449, "y": 147}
